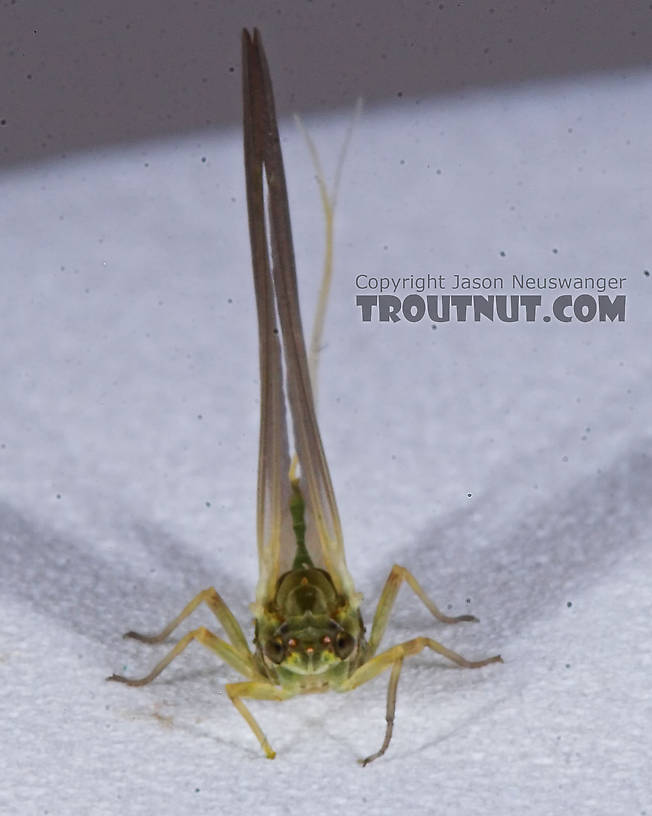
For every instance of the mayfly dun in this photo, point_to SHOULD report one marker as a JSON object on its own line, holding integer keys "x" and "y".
{"x": 309, "y": 636}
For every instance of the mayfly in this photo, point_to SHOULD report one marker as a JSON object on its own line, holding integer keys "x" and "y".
{"x": 309, "y": 636}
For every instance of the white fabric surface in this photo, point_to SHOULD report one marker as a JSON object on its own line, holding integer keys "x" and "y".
{"x": 129, "y": 434}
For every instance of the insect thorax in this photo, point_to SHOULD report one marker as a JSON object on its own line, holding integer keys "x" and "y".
{"x": 308, "y": 631}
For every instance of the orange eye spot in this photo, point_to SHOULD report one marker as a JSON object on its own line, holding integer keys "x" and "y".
{"x": 309, "y": 649}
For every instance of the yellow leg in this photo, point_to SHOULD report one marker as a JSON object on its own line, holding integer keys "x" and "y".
{"x": 394, "y": 657}
{"x": 395, "y": 578}
{"x": 384, "y": 660}
{"x": 217, "y": 606}
{"x": 242, "y": 663}
{"x": 256, "y": 690}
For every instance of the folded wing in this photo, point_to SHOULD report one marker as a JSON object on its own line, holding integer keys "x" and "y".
{"x": 277, "y": 299}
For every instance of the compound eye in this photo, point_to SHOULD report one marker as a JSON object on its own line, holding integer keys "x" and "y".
{"x": 344, "y": 644}
{"x": 275, "y": 650}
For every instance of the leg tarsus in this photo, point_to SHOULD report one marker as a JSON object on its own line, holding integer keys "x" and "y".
{"x": 144, "y": 638}
{"x": 118, "y": 678}
{"x": 415, "y": 586}
{"x": 393, "y": 583}
{"x": 242, "y": 663}
{"x": 377, "y": 664}
{"x": 394, "y": 657}
{"x": 214, "y": 602}
{"x": 389, "y": 716}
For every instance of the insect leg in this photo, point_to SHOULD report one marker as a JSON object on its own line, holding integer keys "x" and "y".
{"x": 256, "y": 690}
{"x": 217, "y": 606}
{"x": 367, "y": 671}
{"x": 389, "y": 716}
{"x": 395, "y": 578}
{"x": 394, "y": 657}
{"x": 242, "y": 663}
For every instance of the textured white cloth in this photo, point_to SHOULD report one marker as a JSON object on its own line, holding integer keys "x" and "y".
{"x": 506, "y": 464}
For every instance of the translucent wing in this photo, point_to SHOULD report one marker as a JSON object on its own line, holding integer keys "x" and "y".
{"x": 277, "y": 296}
{"x": 274, "y": 458}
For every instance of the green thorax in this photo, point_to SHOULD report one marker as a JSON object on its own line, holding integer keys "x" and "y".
{"x": 309, "y": 635}
{"x": 298, "y": 512}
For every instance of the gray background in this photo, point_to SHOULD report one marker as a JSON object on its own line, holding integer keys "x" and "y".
{"x": 79, "y": 74}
